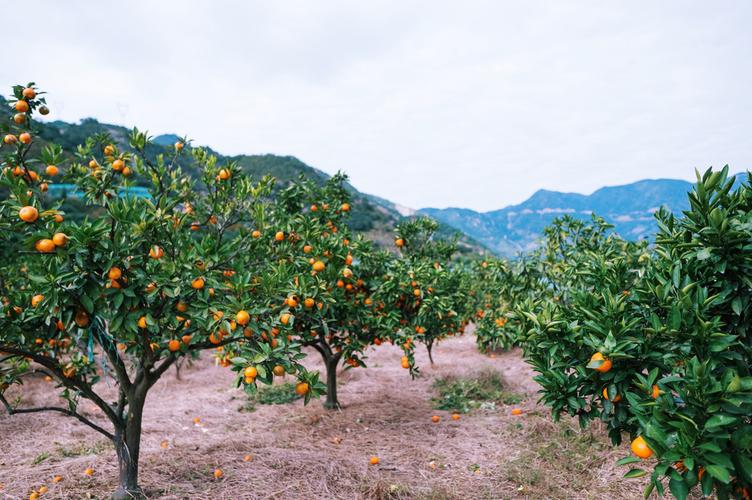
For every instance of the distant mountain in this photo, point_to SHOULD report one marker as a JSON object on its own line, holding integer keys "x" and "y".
{"x": 373, "y": 216}
{"x": 517, "y": 228}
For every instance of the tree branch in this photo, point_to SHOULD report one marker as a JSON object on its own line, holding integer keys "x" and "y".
{"x": 64, "y": 411}
{"x": 74, "y": 382}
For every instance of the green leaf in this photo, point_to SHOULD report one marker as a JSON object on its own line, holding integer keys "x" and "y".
{"x": 720, "y": 421}
{"x": 719, "y": 472}
{"x": 635, "y": 473}
{"x": 628, "y": 460}
{"x": 679, "y": 488}
{"x": 87, "y": 303}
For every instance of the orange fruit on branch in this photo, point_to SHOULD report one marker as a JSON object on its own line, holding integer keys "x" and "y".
{"x": 242, "y": 317}
{"x": 640, "y": 448}
{"x": 28, "y": 214}
{"x": 156, "y": 252}
{"x": 45, "y": 246}
{"x": 604, "y": 366}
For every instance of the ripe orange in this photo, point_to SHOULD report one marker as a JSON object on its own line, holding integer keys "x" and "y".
{"x": 405, "y": 362}
{"x": 250, "y": 372}
{"x": 278, "y": 370}
{"x": 89, "y": 471}
{"x": 455, "y": 416}
{"x": 51, "y": 170}
{"x": 58, "y": 218}
{"x": 605, "y": 366}
{"x": 115, "y": 273}
{"x": 435, "y": 419}
{"x": 156, "y": 252}
{"x": 218, "y": 473}
{"x": 173, "y": 345}
{"x": 186, "y": 339}
{"x": 10, "y": 139}
{"x": 45, "y": 246}
{"x": 181, "y": 307}
{"x": 256, "y": 233}
{"x": 374, "y": 460}
{"x": 319, "y": 266}
{"x": 28, "y": 214}
{"x": 36, "y": 300}
{"x": 345, "y": 207}
{"x": 19, "y": 118}
{"x": 308, "y": 303}
{"x": 118, "y": 165}
{"x": 81, "y": 318}
{"x": 25, "y": 138}
{"x": 279, "y": 236}
{"x": 242, "y": 317}
{"x": 516, "y": 411}
{"x": 109, "y": 150}
{"x": 399, "y": 242}
{"x": 29, "y": 93}
{"x": 57, "y": 479}
{"x": 656, "y": 391}
{"x": 301, "y": 388}
{"x": 307, "y": 249}
{"x": 198, "y": 283}
{"x": 285, "y": 318}
{"x": 640, "y": 448}
{"x": 22, "y": 106}
{"x": 179, "y": 145}
{"x": 224, "y": 174}
{"x": 247, "y": 458}
{"x": 142, "y": 322}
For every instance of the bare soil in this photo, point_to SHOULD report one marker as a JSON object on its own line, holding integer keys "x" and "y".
{"x": 307, "y": 452}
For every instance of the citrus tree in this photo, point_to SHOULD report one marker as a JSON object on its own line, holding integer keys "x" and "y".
{"x": 654, "y": 341}
{"x": 698, "y": 421}
{"x": 126, "y": 295}
{"x": 498, "y": 286}
{"x": 426, "y": 296}
{"x": 328, "y": 303}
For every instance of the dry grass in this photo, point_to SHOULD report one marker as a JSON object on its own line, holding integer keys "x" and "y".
{"x": 308, "y": 452}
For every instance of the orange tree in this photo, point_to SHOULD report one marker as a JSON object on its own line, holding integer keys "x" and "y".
{"x": 328, "y": 305}
{"x": 656, "y": 341}
{"x": 698, "y": 421}
{"x": 128, "y": 294}
{"x": 426, "y": 296}
{"x": 496, "y": 287}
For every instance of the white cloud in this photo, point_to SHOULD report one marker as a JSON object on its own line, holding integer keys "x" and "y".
{"x": 474, "y": 104}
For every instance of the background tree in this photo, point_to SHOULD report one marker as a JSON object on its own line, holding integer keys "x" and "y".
{"x": 328, "y": 304}
{"x": 425, "y": 294}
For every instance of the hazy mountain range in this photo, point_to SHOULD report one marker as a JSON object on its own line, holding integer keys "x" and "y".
{"x": 516, "y": 228}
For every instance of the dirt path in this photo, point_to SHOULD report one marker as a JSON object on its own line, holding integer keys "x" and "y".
{"x": 310, "y": 453}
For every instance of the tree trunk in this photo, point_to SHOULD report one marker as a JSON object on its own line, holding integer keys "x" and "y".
{"x": 127, "y": 446}
{"x": 429, "y": 346}
{"x": 331, "y": 402}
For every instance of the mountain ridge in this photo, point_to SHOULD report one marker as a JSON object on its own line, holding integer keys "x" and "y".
{"x": 517, "y": 228}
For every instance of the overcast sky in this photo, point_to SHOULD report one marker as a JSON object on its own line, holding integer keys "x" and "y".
{"x": 465, "y": 103}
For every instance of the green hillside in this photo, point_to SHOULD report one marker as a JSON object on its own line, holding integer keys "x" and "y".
{"x": 370, "y": 215}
